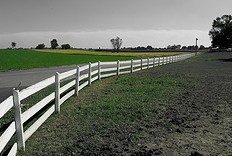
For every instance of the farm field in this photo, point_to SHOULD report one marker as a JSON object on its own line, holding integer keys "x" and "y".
{"x": 27, "y": 59}
{"x": 104, "y": 53}
{"x": 178, "y": 109}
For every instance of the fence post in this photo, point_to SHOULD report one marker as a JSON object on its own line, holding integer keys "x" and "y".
{"x": 163, "y": 61}
{"x": 132, "y": 62}
{"x": 148, "y": 63}
{"x": 77, "y": 81}
{"x": 118, "y": 67}
{"x": 18, "y": 120}
{"x": 141, "y": 64}
{"x": 159, "y": 62}
{"x": 99, "y": 70}
{"x": 153, "y": 61}
{"x": 57, "y": 93}
{"x": 90, "y": 72}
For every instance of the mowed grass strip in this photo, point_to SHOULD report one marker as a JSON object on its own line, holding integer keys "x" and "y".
{"x": 27, "y": 59}
{"x": 109, "y": 53}
{"x": 108, "y": 116}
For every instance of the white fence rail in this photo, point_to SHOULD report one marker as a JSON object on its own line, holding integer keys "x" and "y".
{"x": 83, "y": 76}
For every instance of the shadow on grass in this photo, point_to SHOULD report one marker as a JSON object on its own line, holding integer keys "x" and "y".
{"x": 226, "y": 60}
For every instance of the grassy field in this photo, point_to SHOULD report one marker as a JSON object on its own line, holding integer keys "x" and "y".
{"x": 112, "y": 107}
{"x": 26, "y": 59}
{"x": 167, "y": 110}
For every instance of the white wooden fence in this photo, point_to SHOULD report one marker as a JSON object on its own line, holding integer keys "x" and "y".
{"x": 84, "y": 76}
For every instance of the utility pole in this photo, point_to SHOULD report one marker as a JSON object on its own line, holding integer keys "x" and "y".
{"x": 196, "y": 45}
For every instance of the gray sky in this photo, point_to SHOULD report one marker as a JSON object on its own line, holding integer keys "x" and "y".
{"x": 92, "y": 23}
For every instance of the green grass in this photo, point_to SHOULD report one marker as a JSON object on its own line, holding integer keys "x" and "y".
{"x": 26, "y": 59}
{"x": 108, "y": 110}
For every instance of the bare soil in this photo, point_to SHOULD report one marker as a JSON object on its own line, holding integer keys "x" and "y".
{"x": 199, "y": 122}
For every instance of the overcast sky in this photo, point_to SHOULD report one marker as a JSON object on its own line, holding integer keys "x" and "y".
{"x": 92, "y": 23}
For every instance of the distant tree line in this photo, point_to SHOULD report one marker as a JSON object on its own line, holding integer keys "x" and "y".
{"x": 169, "y": 47}
{"x": 54, "y": 45}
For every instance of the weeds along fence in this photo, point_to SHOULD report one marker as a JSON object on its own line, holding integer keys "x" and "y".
{"x": 17, "y": 125}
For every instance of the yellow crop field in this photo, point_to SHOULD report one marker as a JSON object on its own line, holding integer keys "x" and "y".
{"x": 108, "y": 53}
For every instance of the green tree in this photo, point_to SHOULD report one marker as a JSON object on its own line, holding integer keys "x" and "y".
{"x": 221, "y": 32}
{"x": 116, "y": 43}
{"x": 40, "y": 46}
{"x": 65, "y": 46}
{"x": 150, "y": 47}
{"x": 13, "y": 45}
{"x": 54, "y": 44}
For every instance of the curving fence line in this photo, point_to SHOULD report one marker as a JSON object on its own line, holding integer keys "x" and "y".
{"x": 81, "y": 77}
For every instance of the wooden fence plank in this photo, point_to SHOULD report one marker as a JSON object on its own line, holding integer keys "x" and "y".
{"x": 125, "y": 67}
{"x": 36, "y": 87}
{"x": 125, "y": 62}
{"x": 37, "y": 107}
{"x": 84, "y": 85}
{"x": 6, "y": 105}
{"x": 13, "y": 150}
{"x": 67, "y": 86}
{"x": 108, "y": 75}
{"x": 94, "y": 79}
{"x": 109, "y": 69}
{"x": 94, "y": 72}
{"x": 94, "y": 64}
{"x": 83, "y": 68}
{"x": 7, "y": 135}
{"x": 67, "y": 74}
{"x": 137, "y": 65}
{"x": 135, "y": 70}
{"x": 67, "y": 96}
{"x": 38, "y": 122}
{"x": 82, "y": 77}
